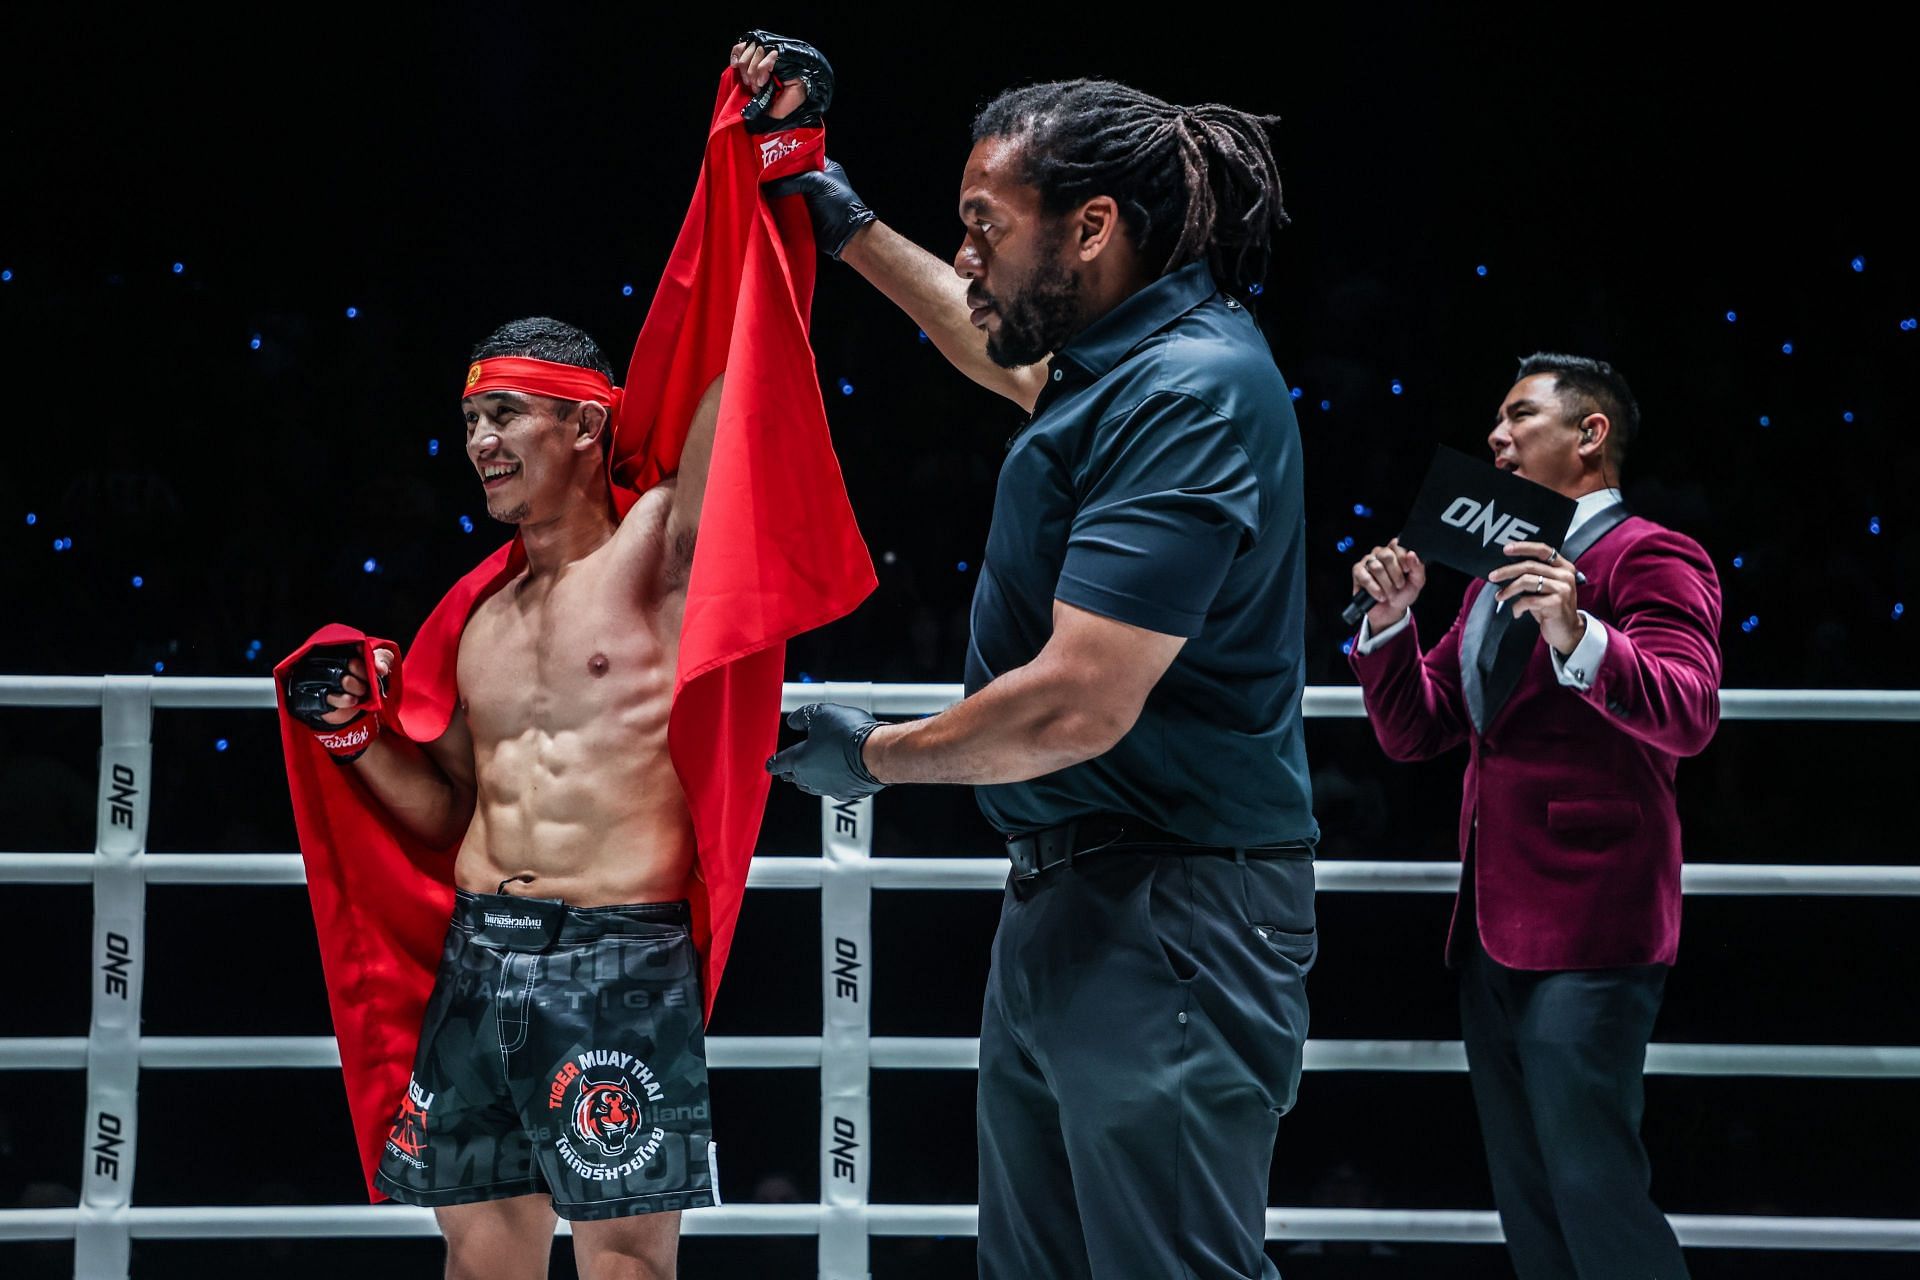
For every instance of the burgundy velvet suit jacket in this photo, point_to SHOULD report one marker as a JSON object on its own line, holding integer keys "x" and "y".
{"x": 1576, "y": 860}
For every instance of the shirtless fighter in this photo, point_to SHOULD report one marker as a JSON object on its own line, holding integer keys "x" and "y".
{"x": 575, "y": 841}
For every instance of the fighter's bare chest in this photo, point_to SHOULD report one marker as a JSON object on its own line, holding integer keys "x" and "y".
{"x": 538, "y": 656}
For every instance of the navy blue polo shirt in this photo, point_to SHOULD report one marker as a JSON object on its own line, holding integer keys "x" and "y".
{"x": 1159, "y": 484}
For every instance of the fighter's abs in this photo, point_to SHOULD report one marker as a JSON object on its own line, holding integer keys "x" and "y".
{"x": 567, "y": 695}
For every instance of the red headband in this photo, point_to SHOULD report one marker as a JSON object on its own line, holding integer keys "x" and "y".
{"x": 542, "y": 378}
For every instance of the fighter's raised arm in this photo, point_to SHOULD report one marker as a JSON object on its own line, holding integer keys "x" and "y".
{"x": 759, "y": 67}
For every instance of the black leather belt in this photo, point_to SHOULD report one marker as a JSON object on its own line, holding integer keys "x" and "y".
{"x": 1042, "y": 851}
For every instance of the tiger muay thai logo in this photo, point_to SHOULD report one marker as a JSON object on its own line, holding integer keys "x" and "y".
{"x": 602, "y": 1094}
{"x": 407, "y": 1140}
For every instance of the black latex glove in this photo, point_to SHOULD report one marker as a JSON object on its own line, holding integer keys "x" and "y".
{"x": 828, "y": 763}
{"x": 835, "y": 207}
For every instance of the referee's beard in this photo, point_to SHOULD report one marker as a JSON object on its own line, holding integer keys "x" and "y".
{"x": 1036, "y": 319}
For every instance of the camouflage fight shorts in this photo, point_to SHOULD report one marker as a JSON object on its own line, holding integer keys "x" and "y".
{"x": 563, "y": 1053}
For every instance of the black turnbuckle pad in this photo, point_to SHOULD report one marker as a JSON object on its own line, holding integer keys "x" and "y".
{"x": 793, "y": 60}
{"x": 517, "y": 924}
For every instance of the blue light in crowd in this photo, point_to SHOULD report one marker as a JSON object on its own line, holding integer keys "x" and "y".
{"x": 1899, "y": 609}
{"x": 32, "y": 518}
{"x": 1847, "y": 416}
{"x": 1256, "y": 289}
{"x": 1362, "y": 510}
{"x": 138, "y": 582}
{"x": 179, "y": 267}
{"x": 1731, "y": 317}
{"x": 1786, "y": 348}
{"x": 1397, "y": 388}
{"x": 433, "y": 448}
{"x": 846, "y": 388}
{"x": 1296, "y": 393}
{"x": 254, "y": 342}
{"x": 59, "y": 544}
{"x": 254, "y": 645}
{"x": 370, "y": 566}
{"x": 1346, "y": 646}
{"x": 5, "y": 276}
{"x": 219, "y": 744}
{"x": 353, "y": 313}
{"x": 626, "y": 291}
{"x": 1858, "y": 264}
{"x": 1906, "y": 326}
{"x": 923, "y": 336}
{"x": 466, "y": 524}
{"x": 961, "y": 567}
{"x": 1325, "y": 405}
{"x": 1739, "y": 562}
{"x": 1873, "y": 526}
{"x": 158, "y": 667}
{"x": 1480, "y": 270}
{"x": 1752, "y": 621}
{"x": 1345, "y": 544}
{"x": 1765, "y": 421}
{"x": 805, "y": 678}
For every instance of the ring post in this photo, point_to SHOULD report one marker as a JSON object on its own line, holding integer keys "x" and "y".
{"x": 846, "y": 971}
{"x": 103, "y": 1233}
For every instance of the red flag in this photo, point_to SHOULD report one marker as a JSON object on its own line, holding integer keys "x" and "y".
{"x": 778, "y": 553}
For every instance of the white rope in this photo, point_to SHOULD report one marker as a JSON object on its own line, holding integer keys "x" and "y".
{"x": 114, "y": 1052}
{"x": 962, "y": 1053}
{"x": 1319, "y": 701}
{"x": 987, "y": 871}
{"x": 1699, "y": 1231}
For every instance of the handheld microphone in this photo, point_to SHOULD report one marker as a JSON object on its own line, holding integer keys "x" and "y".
{"x": 1357, "y": 609}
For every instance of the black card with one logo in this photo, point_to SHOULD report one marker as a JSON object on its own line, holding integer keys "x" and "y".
{"x": 1468, "y": 509}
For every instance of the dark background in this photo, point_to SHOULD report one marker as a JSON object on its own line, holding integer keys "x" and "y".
{"x": 1625, "y": 183}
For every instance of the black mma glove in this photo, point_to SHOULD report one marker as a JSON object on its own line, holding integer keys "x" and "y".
{"x": 793, "y": 60}
{"x": 309, "y": 682}
{"x": 828, "y": 763}
{"x": 835, "y": 207}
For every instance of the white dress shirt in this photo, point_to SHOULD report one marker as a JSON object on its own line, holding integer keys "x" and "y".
{"x": 1577, "y": 669}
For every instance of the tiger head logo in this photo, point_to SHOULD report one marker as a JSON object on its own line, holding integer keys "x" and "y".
{"x": 606, "y": 1114}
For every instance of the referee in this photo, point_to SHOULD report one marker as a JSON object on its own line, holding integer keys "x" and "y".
{"x": 1132, "y": 719}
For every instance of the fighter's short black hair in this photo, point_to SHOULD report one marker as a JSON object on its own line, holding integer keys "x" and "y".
{"x": 543, "y": 338}
{"x": 1585, "y": 386}
{"x": 1193, "y": 183}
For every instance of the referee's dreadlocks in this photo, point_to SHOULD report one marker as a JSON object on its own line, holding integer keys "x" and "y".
{"x": 1193, "y": 183}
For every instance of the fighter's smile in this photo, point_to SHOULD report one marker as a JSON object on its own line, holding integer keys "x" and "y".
{"x": 494, "y": 474}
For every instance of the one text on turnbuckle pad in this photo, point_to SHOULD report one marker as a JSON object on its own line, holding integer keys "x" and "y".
{"x": 512, "y": 922}
{"x": 846, "y": 969}
{"x": 125, "y": 791}
{"x": 109, "y": 1137}
{"x": 114, "y": 970}
{"x": 845, "y": 1148}
{"x": 846, "y": 818}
